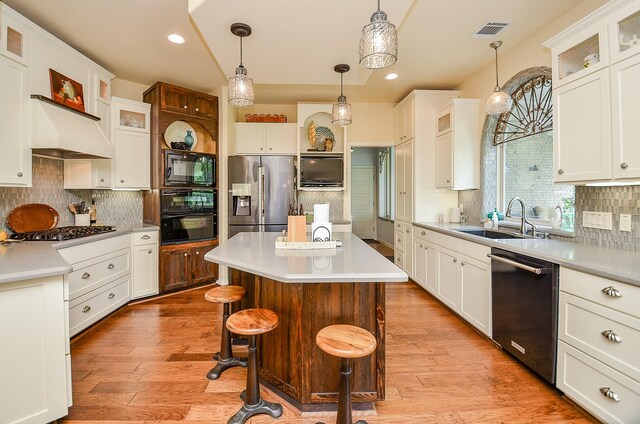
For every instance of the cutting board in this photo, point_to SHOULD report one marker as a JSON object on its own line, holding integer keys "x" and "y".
{"x": 32, "y": 217}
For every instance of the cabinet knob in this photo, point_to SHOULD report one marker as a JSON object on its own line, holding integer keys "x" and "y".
{"x": 145, "y": 237}
{"x": 407, "y": 230}
{"x": 121, "y": 181}
{"x": 111, "y": 295}
{"x": 448, "y": 181}
{"x": 624, "y": 165}
{"x": 560, "y": 171}
{"x": 611, "y": 336}
{"x": 111, "y": 266}
{"x": 184, "y": 106}
{"x": 197, "y": 252}
{"x": 398, "y": 225}
{"x": 20, "y": 174}
{"x": 455, "y": 260}
{"x": 197, "y": 110}
{"x": 85, "y": 275}
{"x": 398, "y": 240}
{"x": 270, "y": 148}
{"x": 611, "y": 291}
{"x": 86, "y": 309}
{"x": 608, "y": 393}
{"x": 101, "y": 180}
{"x": 420, "y": 246}
{"x": 462, "y": 263}
{"x": 424, "y": 233}
{"x": 186, "y": 254}
{"x": 149, "y": 251}
{"x": 261, "y": 148}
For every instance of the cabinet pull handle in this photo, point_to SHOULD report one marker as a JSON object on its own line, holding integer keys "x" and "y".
{"x": 149, "y": 251}
{"x": 624, "y": 165}
{"x": 611, "y": 336}
{"x": 111, "y": 295}
{"x": 111, "y": 266}
{"x": 608, "y": 393}
{"x": 145, "y": 237}
{"x": 86, "y": 309}
{"x": 20, "y": 174}
{"x": 611, "y": 291}
{"x": 85, "y": 275}
{"x": 560, "y": 171}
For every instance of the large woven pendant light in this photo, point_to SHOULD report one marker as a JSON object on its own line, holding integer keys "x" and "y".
{"x": 378, "y": 42}
{"x": 341, "y": 110}
{"x": 499, "y": 102}
{"x": 240, "y": 85}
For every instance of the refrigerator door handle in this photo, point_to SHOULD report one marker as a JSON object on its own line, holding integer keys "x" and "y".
{"x": 261, "y": 194}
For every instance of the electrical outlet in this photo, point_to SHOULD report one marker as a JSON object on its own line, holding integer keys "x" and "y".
{"x": 625, "y": 222}
{"x": 599, "y": 220}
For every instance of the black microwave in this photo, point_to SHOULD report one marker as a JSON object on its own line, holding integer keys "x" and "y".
{"x": 321, "y": 171}
{"x": 189, "y": 169}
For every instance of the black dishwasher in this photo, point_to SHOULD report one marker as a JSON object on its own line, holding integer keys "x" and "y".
{"x": 525, "y": 309}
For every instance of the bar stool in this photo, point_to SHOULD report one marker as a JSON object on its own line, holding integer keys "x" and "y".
{"x": 346, "y": 342}
{"x": 252, "y": 322}
{"x": 225, "y": 295}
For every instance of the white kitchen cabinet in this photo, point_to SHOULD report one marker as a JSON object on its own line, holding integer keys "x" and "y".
{"x": 403, "y": 246}
{"x": 404, "y": 181}
{"x": 265, "y": 139}
{"x": 419, "y": 262}
{"x": 14, "y": 141}
{"x": 449, "y": 278}
{"x": 582, "y": 129}
{"x": 101, "y": 99}
{"x": 87, "y": 174}
{"x": 475, "y": 293}
{"x": 405, "y": 121}
{"x": 33, "y": 387}
{"x": 425, "y": 259}
{"x": 457, "y": 145}
{"x": 145, "y": 264}
{"x": 14, "y": 36}
{"x": 131, "y": 138}
{"x": 599, "y": 339}
{"x": 595, "y": 75}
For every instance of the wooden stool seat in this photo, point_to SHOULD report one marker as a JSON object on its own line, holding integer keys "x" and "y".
{"x": 346, "y": 341}
{"x": 225, "y": 294}
{"x": 251, "y": 322}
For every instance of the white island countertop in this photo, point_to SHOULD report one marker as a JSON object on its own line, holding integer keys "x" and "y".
{"x": 354, "y": 262}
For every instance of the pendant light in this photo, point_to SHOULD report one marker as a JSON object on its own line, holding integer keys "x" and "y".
{"x": 240, "y": 85}
{"x": 499, "y": 102}
{"x": 341, "y": 110}
{"x": 378, "y": 42}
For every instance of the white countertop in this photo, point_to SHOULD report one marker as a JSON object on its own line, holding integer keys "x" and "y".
{"x": 35, "y": 259}
{"x": 602, "y": 261}
{"x": 354, "y": 262}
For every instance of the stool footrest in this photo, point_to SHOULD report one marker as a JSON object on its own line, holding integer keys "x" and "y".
{"x": 262, "y": 407}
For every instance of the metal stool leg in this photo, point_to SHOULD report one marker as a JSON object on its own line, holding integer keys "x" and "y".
{"x": 344, "y": 395}
{"x": 253, "y": 404}
{"x": 225, "y": 357}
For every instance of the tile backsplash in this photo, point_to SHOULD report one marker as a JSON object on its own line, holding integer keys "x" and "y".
{"x": 113, "y": 207}
{"x": 308, "y": 198}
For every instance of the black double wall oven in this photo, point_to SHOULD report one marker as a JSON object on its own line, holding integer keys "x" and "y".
{"x": 189, "y": 207}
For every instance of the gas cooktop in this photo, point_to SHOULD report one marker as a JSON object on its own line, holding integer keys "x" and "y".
{"x": 63, "y": 233}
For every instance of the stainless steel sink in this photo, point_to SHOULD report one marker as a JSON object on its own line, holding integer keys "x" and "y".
{"x": 492, "y": 234}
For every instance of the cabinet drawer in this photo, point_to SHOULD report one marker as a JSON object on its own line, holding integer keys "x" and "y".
{"x": 92, "y": 274}
{"x": 591, "y": 287}
{"x": 88, "y": 309}
{"x": 426, "y": 235}
{"x": 146, "y": 237}
{"x": 95, "y": 249}
{"x": 400, "y": 240}
{"x": 582, "y": 324}
{"x": 451, "y": 243}
{"x": 582, "y": 378}
{"x": 475, "y": 251}
{"x": 399, "y": 259}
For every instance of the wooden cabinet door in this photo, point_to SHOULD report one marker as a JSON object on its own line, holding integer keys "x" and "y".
{"x": 204, "y": 106}
{"x": 175, "y": 270}
{"x": 444, "y": 161}
{"x": 582, "y": 129}
{"x": 475, "y": 296}
{"x": 174, "y": 99}
{"x": 201, "y": 269}
{"x": 625, "y": 104}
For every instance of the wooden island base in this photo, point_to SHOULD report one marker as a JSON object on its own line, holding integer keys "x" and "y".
{"x": 291, "y": 364}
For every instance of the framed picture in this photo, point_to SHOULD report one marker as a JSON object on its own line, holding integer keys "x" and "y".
{"x": 66, "y": 91}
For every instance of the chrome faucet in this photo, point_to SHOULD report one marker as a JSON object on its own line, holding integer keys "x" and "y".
{"x": 523, "y": 222}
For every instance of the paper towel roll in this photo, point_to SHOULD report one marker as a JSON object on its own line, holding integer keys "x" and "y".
{"x": 321, "y": 212}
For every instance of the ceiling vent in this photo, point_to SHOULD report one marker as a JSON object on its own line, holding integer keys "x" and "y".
{"x": 489, "y": 29}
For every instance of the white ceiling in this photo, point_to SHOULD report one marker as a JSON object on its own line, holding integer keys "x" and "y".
{"x": 294, "y": 45}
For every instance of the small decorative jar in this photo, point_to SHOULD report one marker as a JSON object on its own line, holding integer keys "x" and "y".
{"x": 188, "y": 139}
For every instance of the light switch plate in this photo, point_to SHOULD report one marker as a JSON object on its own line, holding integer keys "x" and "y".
{"x": 599, "y": 220}
{"x": 625, "y": 222}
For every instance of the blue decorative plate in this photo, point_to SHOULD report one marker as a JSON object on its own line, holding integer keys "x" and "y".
{"x": 323, "y": 133}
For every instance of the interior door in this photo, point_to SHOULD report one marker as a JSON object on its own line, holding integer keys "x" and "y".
{"x": 363, "y": 201}
{"x": 278, "y": 188}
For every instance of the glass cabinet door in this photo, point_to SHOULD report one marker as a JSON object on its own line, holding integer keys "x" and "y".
{"x": 624, "y": 32}
{"x": 583, "y": 54}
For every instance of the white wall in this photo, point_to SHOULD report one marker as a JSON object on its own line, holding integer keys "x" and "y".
{"x": 373, "y": 123}
{"x": 128, "y": 89}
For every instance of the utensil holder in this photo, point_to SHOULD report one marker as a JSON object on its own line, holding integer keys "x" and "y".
{"x": 82, "y": 219}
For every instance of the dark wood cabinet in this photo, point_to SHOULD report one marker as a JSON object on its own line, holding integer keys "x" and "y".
{"x": 181, "y": 100}
{"x": 183, "y": 265}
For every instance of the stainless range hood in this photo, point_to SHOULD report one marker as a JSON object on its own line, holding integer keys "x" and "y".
{"x": 62, "y": 133}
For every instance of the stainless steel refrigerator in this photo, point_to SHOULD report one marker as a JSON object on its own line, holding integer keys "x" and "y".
{"x": 261, "y": 189}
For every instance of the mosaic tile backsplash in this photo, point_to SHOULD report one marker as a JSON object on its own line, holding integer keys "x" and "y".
{"x": 308, "y": 198}
{"x": 113, "y": 207}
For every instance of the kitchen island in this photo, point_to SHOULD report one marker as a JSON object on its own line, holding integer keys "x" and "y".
{"x": 310, "y": 289}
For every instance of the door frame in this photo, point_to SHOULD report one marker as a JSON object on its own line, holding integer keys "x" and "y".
{"x": 375, "y": 198}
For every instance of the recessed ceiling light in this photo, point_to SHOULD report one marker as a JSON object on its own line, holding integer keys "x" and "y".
{"x": 176, "y": 38}
{"x": 391, "y": 76}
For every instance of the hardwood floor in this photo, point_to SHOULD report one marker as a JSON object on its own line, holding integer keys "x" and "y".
{"x": 148, "y": 362}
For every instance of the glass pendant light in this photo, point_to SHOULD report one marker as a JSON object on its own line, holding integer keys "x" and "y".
{"x": 341, "y": 110}
{"x": 378, "y": 42}
{"x": 240, "y": 85}
{"x": 499, "y": 102}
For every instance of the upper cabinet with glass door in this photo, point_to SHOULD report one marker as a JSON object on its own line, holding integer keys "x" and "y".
{"x": 14, "y": 36}
{"x": 624, "y": 32}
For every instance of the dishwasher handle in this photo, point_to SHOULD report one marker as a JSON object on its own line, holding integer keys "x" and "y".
{"x": 534, "y": 270}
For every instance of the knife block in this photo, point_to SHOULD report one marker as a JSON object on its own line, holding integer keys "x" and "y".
{"x": 296, "y": 228}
